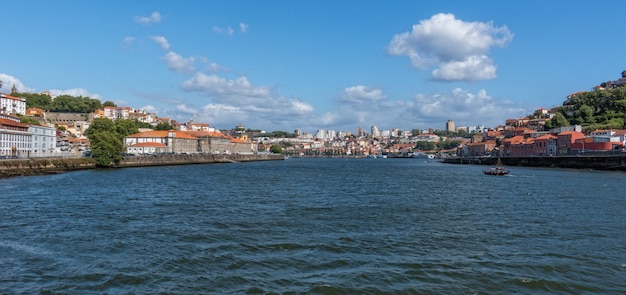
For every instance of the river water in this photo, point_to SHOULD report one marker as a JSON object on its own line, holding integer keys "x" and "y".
{"x": 314, "y": 226}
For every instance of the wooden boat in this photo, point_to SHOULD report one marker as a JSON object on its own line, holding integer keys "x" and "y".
{"x": 498, "y": 170}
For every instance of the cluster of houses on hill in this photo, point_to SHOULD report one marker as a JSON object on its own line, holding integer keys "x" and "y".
{"x": 521, "y": 137}
{"x": 19, "y": 140}
{"x": 522, "y": 141}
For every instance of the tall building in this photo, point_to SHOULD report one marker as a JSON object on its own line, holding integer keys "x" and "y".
{"x": 375, "y": 132}
{"x": 360, "y": 132}
{"x": 450, "y": 126}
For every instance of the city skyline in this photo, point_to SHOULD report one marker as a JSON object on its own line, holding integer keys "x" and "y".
{"x": 315, "y": 65}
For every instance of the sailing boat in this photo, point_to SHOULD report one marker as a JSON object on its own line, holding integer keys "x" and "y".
{"x": 498, "y": 170}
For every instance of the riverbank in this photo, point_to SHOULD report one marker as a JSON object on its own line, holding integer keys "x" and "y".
{"x": 29, "y": 167}
{"x": 595, "y": 162}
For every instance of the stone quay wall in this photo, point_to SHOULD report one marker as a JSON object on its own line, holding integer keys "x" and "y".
{"x": 595, "y": 162}
{"x": 43, "y": 166}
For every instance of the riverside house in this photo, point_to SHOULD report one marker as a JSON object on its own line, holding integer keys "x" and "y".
{"x": 185, "y": 142}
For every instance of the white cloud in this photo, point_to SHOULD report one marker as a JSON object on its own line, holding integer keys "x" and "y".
{"x": 162, "y": 42}
{"x": 8, "y": 81}
{"x": 150, "y": 109}
{"x": 155, "y": 17}
{"x": 464, "y": 107}
{"x": 177, "y": 63}
{"x": 75, "y": 92}
{"x": 228, "y": 31}
{"x": 237, "y": 100}
{"x": 128, "y": 41}
{"x": 243, "y": 27}
{"x": 215, "y": 67}
{"x": 474, "y": 68}
{"x": 219, "y": 87}
{"x": 453, "y": 45}
{"x": 423, "y": 111}
{"x": 360, "y": 94}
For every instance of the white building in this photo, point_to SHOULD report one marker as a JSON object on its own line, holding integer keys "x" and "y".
{"x": 15, "y": 140}
{"x": 326, "y": 134}
{"x": 44, "y": 141}
{"x": 375, "y": 132}
{"x": 12, "y": 105}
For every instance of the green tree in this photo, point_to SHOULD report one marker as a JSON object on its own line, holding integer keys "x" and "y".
{"x": 28, "y": 120}
{"x": 586, "y": 113}
{"x": 425, "y": 146}
{"x": 71, "y": 104}
{"x": 99, "y": 125}
{"x": 163, "y": 126}
{"x": 125, "y": 127}
{"x": 108, "y": 103}
{"x": 106, "y": 148}
{"x": 558, "y": 121}
{"x": 35, "y": 100}
{"x": 449, "y": 144}
{"x": 276, "y": 149}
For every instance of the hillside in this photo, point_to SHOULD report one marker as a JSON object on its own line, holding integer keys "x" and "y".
{"x": 602, "y": 108}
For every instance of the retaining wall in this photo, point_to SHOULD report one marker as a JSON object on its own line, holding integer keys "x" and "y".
{"x": 10, "y": 168}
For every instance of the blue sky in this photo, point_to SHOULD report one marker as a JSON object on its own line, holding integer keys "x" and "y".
{"x": 309, "y": 65}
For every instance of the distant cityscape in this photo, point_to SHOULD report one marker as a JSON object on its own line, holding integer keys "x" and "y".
{"x": 61, "y": 134}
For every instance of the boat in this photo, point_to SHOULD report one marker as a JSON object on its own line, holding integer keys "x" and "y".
{"x": 498, "y": 170}
{"x": 420, "y": 155}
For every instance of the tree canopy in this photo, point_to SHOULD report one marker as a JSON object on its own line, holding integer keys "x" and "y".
{"x": 598, "y": 109}
{"x": 106, "y": 137}
{"x": 106, "y": 148}
{"x": 61, "y": 103}
{"x": 276, "y": 149}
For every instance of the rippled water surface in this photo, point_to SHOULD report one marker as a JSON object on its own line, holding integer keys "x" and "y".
{"x": 314, "y": 226}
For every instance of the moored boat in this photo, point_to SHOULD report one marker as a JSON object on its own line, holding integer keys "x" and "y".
{"x": 498, "y": 170}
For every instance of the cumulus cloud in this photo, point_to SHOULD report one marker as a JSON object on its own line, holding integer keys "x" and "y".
{"x": 228, "y": 31}
{"x": 422, "y": 111}
{"x": 75, "y": 92}
{"x": 361, "y": 94}
{"x": 213, "y": 85}
{"x": 162, "y": 42}
{"x": 177, "y": 63}
{"x": 215, "y": 67}
{"x": 459, "y": 49}
{"x": 464, "y": 107}
{"x": 473, "y": 68}
{"x": 8, "y": 81}
{"x": 243, "y": 27}
{"x": 238, "y": 100}
{"x": 155, "y": 17}
{"x": 149, "y": 108}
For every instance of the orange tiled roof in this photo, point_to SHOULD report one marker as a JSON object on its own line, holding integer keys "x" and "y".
{"x": 514, "y": 140}
{"x": 547, "y": 136}
{"x": 8, "y": 122}
{"x": 161, "y": 134}
{"x": 201, "y": 133}
{"x": 12, "y": 97}
{"x": 238, "y": 140}
{"x": 569, "y": 132}
{"x": 149, "y": 144}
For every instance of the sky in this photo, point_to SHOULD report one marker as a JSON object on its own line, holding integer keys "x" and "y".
{"x": 310, "y": 65}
